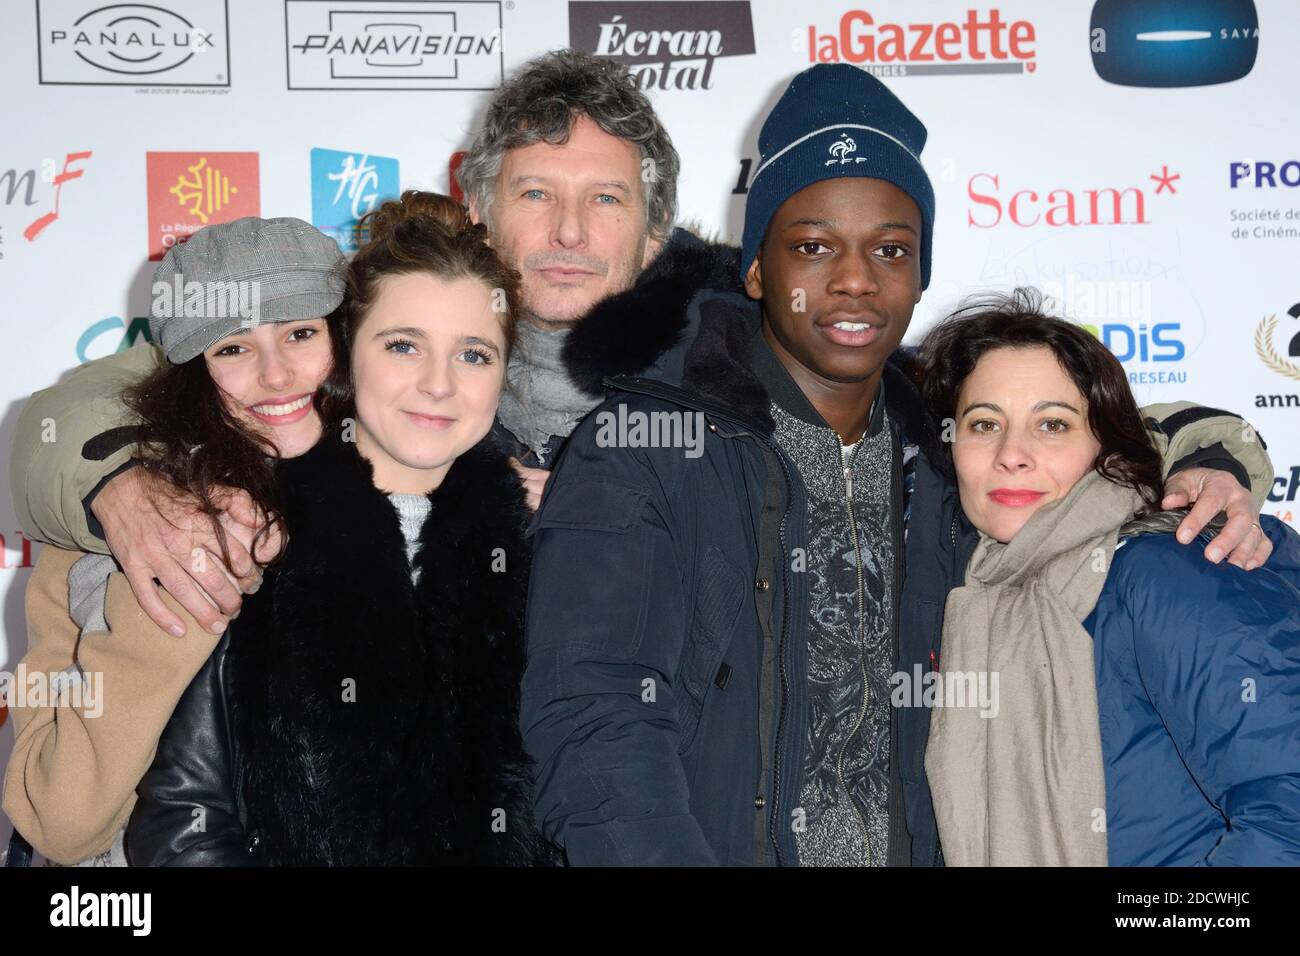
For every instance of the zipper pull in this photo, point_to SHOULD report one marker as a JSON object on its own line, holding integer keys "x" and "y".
{"x": 848, "y": 483}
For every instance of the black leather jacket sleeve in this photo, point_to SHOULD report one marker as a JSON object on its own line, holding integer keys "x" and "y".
{"x": 187, "y": 811}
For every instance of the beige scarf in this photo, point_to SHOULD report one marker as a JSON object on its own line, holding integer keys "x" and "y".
{"x": 1026, "y": 787}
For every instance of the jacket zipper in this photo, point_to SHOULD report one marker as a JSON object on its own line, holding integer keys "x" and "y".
{"x": 899, "y": 506}
{"x": 780, "y": 662}
{"x": 675, "y": 395}
{"x": 862, "y": 663}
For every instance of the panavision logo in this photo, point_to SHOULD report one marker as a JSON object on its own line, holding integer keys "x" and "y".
{"x": 181, "y": 43}
{"x": 666, "y": 45}
{"x": 421, "y": 45}
{"x": 982, "y": 43}
{"x": 1188, "y": 43}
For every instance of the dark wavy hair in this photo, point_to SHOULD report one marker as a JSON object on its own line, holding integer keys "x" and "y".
{"x": 950, "y": 350}
{"x": 189, "y": 439}
{"x": 422, "y": 232}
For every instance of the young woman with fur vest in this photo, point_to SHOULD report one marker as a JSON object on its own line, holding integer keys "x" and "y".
{"x": 363, "y": 708}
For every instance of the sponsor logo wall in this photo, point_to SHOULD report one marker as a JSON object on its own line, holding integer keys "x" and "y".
{"x": 1139, "y": 162}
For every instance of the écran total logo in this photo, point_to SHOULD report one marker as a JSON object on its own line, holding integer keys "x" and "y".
{"x": 667, "y": 44}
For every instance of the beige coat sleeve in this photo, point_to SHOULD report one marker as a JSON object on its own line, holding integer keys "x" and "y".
{"x": 71, "y": 781}
{"x": 1231, "y": 431}
{"x": 49, "y": 475}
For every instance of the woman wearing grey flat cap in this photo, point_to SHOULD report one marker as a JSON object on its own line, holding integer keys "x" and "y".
{"x": 364, "y": 708}
{"x": 242, "y": 345}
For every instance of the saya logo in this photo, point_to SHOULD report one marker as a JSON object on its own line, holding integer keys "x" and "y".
{"x": 1188, "y": 43}
{"x": 982, "y": 43}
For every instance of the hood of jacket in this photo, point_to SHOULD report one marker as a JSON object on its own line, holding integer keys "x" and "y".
{"x": 626, "y": 333}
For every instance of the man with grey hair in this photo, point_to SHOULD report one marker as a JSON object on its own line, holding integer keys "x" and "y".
{"x": 576, "y": 179}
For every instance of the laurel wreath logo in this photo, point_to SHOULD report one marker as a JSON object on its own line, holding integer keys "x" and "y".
{"x": 1268, "y": 354}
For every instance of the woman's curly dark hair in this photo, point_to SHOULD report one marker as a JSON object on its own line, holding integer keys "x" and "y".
{"x": 949, "y": 352}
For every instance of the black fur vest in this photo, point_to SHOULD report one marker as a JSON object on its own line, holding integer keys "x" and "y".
{"x": 376, "y": 719}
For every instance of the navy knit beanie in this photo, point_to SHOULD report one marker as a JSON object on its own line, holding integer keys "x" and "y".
{"x": 836, "y": 120}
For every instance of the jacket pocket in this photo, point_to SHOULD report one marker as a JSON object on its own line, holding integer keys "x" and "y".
{"x": 719, "y": 594}
{"x": 591, "y": 578}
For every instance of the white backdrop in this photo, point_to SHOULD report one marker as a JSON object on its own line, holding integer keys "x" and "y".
{"x": 135, "y": 123}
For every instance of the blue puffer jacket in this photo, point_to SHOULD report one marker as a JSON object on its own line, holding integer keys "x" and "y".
{"x": 1198, "y": 689}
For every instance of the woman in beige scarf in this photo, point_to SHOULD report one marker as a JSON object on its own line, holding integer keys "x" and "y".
{"x": 1147, "y": 705}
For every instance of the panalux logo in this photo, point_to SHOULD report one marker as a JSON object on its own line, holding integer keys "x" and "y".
{"x": 669, "y": 45}
{"x": 1188, "y": 43}
{"x": 1267, "y": 350}
{"x": 982, "y": 43}
{"x": 184, "y": 43}
{"x": 375, "y": 45}
{"x": 188, "y": 191}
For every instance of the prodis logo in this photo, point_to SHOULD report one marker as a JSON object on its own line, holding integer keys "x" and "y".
{"x": 1119, "y": 314}
{"x": 1160, "y": 342}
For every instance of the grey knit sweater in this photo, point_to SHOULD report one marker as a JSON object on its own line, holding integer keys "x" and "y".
{"x": 412, "y": 510}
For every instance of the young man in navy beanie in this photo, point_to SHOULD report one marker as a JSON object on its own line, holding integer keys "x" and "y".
{"x": 720, "y": 588}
